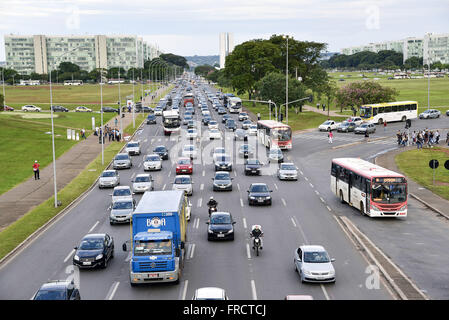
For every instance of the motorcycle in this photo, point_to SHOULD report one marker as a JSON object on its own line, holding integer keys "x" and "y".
{"x": 256, "y": 244}
{"x": 212, "y": 209}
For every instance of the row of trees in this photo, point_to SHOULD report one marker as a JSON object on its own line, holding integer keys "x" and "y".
{"x": 69, "y": 71}
{"x": 384, "y": 59}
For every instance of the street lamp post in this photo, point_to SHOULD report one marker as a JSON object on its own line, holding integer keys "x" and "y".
{"x": 101, "y": 111}
{"x": 3, "y": 80}
{"x": 269, "y": 105}
{"x": 286, "y": 82}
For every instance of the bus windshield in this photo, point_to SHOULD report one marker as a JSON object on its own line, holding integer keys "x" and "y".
{"x": 389, "y": 193}
{"x": 282, "y": 134}
{"x": 171, "y": 122}
{"x": 365, "y": 112}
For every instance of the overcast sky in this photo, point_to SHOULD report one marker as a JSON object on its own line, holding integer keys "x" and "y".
{"x": 189, "y": 27}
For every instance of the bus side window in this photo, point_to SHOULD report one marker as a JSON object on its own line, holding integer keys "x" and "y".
{"x": 387, "y": 109}
{"x": 414, "y": 106}
{"x": 381, "y": 109}
{"x": 334, "y": 170}
{"x": 401, "y": 108}
{"x": 375, "y": 111}
{"x": 394, "y": 108}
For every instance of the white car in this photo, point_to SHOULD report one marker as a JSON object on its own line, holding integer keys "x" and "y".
{"x": 210, "y": 293}
{"x": 252, "y": 130}
{"x": 275, "y": 155}
{"x": 212, "y": 124}
{"x": 192, "y": 133}
{"x": 328, "y": 125}
{"x": 158, "y": 111}
{"x": 143, "y": 182}
{"x": 243, "y": 116}
{"x": 152, "y": 162}
{"x": 214, "y": 134}
{"x": 122, "y": 193}
{"x": 185, "y": 183}
{"x": 219, "y": 151}
{"x": 205, "y": 112}
{"x": 109, "y": 178}
{"x": 31, "y": 108}
{"x": 189, "y": 151}
{"x": 133, "y": 148}
{"x": 287, "y": 171}
{"x": 313, "y": 264}
{"x": 82, "y": 109}
{"x": 357, "y": 120}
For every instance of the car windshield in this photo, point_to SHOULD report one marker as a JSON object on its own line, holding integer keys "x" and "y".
{"x": 108, "y": 174}
{"x": 189, "y": 148}
{"x": 213, "y": 130}
{"x": 122, "y": 192}
{"x": 222, "y": 176}
{"x": 51, "y": 294}
{"x": 182, "y": 180}
{"x": 253, "y": 126}
{"x": 220, "y": 219}
{"x": 287, "y": 167}
{"x": 212, "y": 122}
{"x": 160, "y": 247}
{"x": 344, "y": 124}
{"x": 132, "y": 145}
{"x": 364, "y": 125}
{"x": 184, "y": 161}
{"x": 389, "y": 193}
{"x": 223, "y": 159}
{"x": 121, "y": 157}
{"x": 191, "y": 131}
{"x": 91, "y": 244}
{"x": 159, "y": 149}
{"x": 230, "y": 122}
{"x": 259, "y": 188}
{"x": 143, "y": 179}
{"x": 316, "y": 257}
{"x": 119, "y": 205}
{"x": 244, "y": 147}
{"x": 253, "y": 161}
{"x": 276, "y": 151}
{"x": 153, "y": 158}
{"x": 365, "y": 112}
{"x": 239, "y": 132}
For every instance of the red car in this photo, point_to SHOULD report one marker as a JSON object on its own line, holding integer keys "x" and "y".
{"x": 7, "y": 108}
{"x": 184, "y": 165}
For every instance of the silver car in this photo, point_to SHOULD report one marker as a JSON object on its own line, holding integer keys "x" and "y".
{"x": 152, "y": 162}
{"x": 142, "y": 183}
{"x": 275, "y": 155}
{"x": 121, "y": 211}
{"x": 189, "y": 151}
{"x": 122, "y": 161}
{"x": 430, "y": 114}
{"x": 313, "y": 264}
{"x": 287, "y": 171}
{"x": 185, "y": 183}
{"x": 109, "y": 178}
{"x": 122, "y": 193}
{"x": 365, "y": 127}
{"x": 210, "y": 293}
{"x": 133, "y": 148}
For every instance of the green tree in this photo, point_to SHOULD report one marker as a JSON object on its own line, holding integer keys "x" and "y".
{"x": 204, "y": 70}
{"x": 175, "y": 59}
{"x": 114, "y": 71}
{"x": 2, "y": 102}
{"x": 413, "y": 63}
{"x": 68, "y": 67}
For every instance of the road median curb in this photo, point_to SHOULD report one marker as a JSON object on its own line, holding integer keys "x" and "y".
{"x": 430, "y": 206}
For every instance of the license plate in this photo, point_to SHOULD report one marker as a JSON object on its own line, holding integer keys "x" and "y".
{"x": 260, "y": 200}
{"x": 153, "y": 275}
{"x": 87, "y": 263}
{"x": 183, "y": 170}
{"x": 254, "y": 171}
{"x": 222, "y": 187}
{"x": 220, "y": 235}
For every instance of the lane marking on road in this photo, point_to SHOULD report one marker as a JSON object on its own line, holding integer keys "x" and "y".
{"x": 253, "y": 289}
{"x": 202, "y": 186}
{"x": 163, "y": 188}
{"x": 169, "y": 174}
{"x": 322, "y": 200}
{"x": 241, "y": 202}
{"x": 311, "y": 185}
{"x": 196, "y": 224}
{"x": 192, "y": 251}
{"x": 112, "y": 291}
{"x": 301, "y": 172}
{"x": 293, "y": 221}
{"x": 325, "y": 292}
{"x": 93, "y": 227}
{"x": 328, "y": 208}
{"x": 139, "y": 165}
{"x": 317, "y": 193}
{"x": 238, "y": 186}
{"x": 152, "y": 140}
{"x": 200, "y": 202}
{"x": 146, "y": 140}
{"x": 306, "y": 178}
{"x": 204, "y": 173}
{"x": 133, "y": 175}
{"x": 129, "y": 257}
{"x": 235, "y": 173}
{"x": 69, "y": 255}
{"x": 301, "y": 230}
{"x": 244, "y": 223}
{"x": 159, "y": 140}
{"x": 248, "y": 251}
{"x": 276, "y": 186}
{"x": 184, "y": 290}
{"x": 283, "y": 201}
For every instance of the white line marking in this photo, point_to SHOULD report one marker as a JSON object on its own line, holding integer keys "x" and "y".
{"x": 322, "y": 200}
{"x": 112, "y": 291}
{"x": 325, "y": 292}
{"x": 248, "y": 251}
{"x": 276, "y": 186}
{"x": 202, "y": 186}
{"x": 196, "y": 224}
{"x": 253, "y": 288}
{"x": 244, "y": 223}
{"x": 184, "y": 291}
{"x": 163, "y": 188}
{"x": 311, "y": 185}
{"x": 139, "y": 165}
{"x": 93, "y": 227}
{"x": 301, "y": 172}
{"x": 133, "y": 175}
{"x": 317, "y": 193}
{"x": 328, "y": 208}
{"x": 192, "y": 251}
{"x": 235, "y": 173}
{"x": 145, "y": 140}
{"x": 283, "y": 201}
{"x": 129, "y": 257}
{"x": 204, "y": 173}
{"x": 169, "y": 174}
{"x": 241, "y": 202}
{"x": 200, "y": 202}
{"x": 70, "y": 254}
{"x": 306, "y": 178}
{"x": 238, "y": 186}
{"x": 293, "y": 221}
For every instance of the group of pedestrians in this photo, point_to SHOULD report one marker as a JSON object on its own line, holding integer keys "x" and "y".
{"x": 108, "y": 133}
{"x": 421, "y": 138}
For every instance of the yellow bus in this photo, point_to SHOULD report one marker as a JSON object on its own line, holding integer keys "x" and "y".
{"x": 390, "y": 111}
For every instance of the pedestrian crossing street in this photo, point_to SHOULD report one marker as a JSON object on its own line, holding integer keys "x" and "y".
{"x": 341, "y": 137}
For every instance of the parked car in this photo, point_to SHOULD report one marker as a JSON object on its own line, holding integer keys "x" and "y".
{"x": 346, "y": 126}
{"x": 143, "y": 182}
{"x": 313, "y": 264}
{"x": 133, "y": 148}
{"x": 109, "y": 178}
{"x": 59, "y": 109}
{"x": 253, "y": 166}
{"x": 275, "y": 155}
{"x": 184, "y": 165}
{"x": 221, "y": 226}
{"x": 243, "y": 116}
{"x": 210, "y": 293}
{"x": 185, "y": 183}
{"x": 357, "y": 120}
{"x": 121, "y": 211}
{"x": 258, "y": 193}
{"x": 162, "y": 151}
{"x": 58, "y": 290}
{"x": 430, "y": 114}
{"x": 151, "y": 119}
{"x": 287, "y": 171}
{"x": 109, "y": 109}
{"x": 189, "y": 151}
{"x": 364, "y": 127}
{"x": 222, "y": 181}
{"x": 223, "y": 162}
{"x": 214, "y": 134}
{"x": 94, "y": 250}
{"x": 122, "y": 193}
{"x": 121, "y": 161}
{"x": 31, "y": 108}
{"x": 240, "y": 134}
{"x": 328, "y": 125}
{"x": 82, "y": 109}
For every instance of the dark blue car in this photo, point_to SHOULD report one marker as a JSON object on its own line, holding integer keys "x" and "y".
{"x": 151, "y": 119}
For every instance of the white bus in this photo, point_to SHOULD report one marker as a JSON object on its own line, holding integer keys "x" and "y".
{"x": 234, "y": 104}
{"x": 373, "y": 190}
{"x": 171, "y": 121}
{"x": 391, "y": 111}
{"x": 73, "y": 82}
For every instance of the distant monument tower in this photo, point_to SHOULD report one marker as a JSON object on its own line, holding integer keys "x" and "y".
{"x": 226, "y": 46}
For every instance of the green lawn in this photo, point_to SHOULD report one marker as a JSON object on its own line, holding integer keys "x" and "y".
{"x": 415, "y": 164}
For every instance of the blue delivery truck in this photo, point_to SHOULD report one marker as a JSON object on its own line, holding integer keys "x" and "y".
{"x": 158, "y": 237}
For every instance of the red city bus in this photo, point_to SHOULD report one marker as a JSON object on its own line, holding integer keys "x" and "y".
{"x": 375, "y": 191}
{"x": 274, "y": 134}
{"x": 188, "y": 97}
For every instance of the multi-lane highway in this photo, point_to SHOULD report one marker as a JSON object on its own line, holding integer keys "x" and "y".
{"x": 303, "y": 212}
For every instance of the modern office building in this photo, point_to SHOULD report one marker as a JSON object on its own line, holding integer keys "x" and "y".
{"x": 226, "y": 46}
{"x": 432, "y": 46}
{"x": 39, "y": 53}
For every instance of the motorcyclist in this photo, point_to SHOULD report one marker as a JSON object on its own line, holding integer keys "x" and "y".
{"x": 212, "y": 203}
{"x": 257, "y": 232}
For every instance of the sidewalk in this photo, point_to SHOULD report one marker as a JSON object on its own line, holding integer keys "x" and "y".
{"x": 320, "y": 110}
{"x": 30, "y": 193}
{"x": 423, "y": 195}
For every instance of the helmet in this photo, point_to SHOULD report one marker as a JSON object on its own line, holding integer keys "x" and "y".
{"x": 211, "y": 198}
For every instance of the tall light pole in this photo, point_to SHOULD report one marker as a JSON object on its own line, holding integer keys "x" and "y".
{"x": 101, "y": 111}
{"x": 134, "y": 122}
{"x": 3, "y": 80}
{"x": 286, "y": 83}
{"x": 120, "y": 105}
